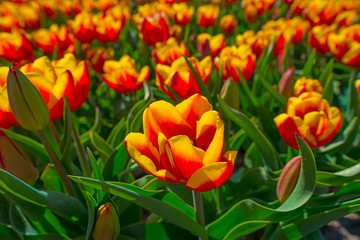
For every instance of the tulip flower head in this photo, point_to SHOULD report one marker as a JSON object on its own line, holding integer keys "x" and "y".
{"x": 228, "y": 24}
{"x": 183, "y": 144}
{"x": 307, "y": 85}
{"x": 107, "y": 225}
{"x": 167, "y": 52}
{"x": 206, "y": 15}
{"x": 288, "y": 179}
{"x": 319, "y": 37}
{"x": 183, "y": 13}
{"x": 122, "y": 75}
{"x": 154, "y": 29}
{"x": 15, "y": 46}
{"x": 210, "y": 44}
{"x": 312, "y": 118}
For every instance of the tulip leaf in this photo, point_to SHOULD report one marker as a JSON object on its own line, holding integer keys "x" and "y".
{"x": 65, "y": 145}
{"x": 237, "y": 140}
{"x": 345, "y": 140}
{"x": 277, "y": 96}
{"x": 334, "y": 179}
{"x": 117, "y": 134}
{"x": 175, "y": 95}
{"x": 32, "y": 146}
{"x": 329, "y": 89}
{"x": 116, "y": 163}
{"x": 50, "y": 179}
{"x": 243, "y": 212}
{"x": 162, "y": 203}
{"x": 96, "y": 127}
{"x": 244, "y": 229}
{"x": 307, "y": 70}
{"x": 134, "y": 118}
{"x": 325, "y": 74}
{"x": 8, "y": 233}
{"x": 101, "y": 145}
{"x": 306, "y": 183}
{"x": 203, "y": 89}
{"x": 22, "y": 190}
{"x": 270, "y": 156}
{"x": 91, "y": 204}
{"x": 353, "y": 105}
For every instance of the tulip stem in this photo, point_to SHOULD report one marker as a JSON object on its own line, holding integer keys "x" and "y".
{"x": 221, "y": 197}
{"x": 60, "y": 170}
{"x": 54, "y": 132}
{"x": 80, "y": 151}
{"x": 199, "y": 209}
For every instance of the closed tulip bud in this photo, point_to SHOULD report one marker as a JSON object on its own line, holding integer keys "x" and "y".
{"x": 107, "y": 226}
{"x": 27, "y": 104}
{"x": 286, "y": 82}
{"x": 229, "y": 93}
{"x": 15, "y": 161}
{"x": 288, "y": 179}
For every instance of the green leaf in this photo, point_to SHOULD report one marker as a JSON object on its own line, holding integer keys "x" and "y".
{"x": 329, "y": 89}
{"x": 8, "y": 233}
{"x": 270, "y": 156}
{"x": 91, "y": 204}
{"x": 306, "y": 183}
{"x": 116, "y": 163}
{"x": 353, "y": 105}
{"x": 325, "y": 74}
{"x": 101, "y": 145}
{"x": 96, "y": 127}
{"x": 50, "y": 179}
{"x": 203, "y": 89}
{"x": 245, "y": 228}
{"x": 66, "y": 144}
{"x": 307, "y": 70}
{"x": 117, "y": 134}
{"x": 163, "y": 203}
{"x": 277, "y": 96}
{"x": 32, "y": 146}
{"x": 175, "y": 95}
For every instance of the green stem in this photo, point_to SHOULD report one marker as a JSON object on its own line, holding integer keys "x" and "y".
{"x": 54, "y": 132}
{"x": 199, "y": 209}
{"x": 60, "y": 170}
{"x": 221, "y": 197}
{"x": 80, "y": 151}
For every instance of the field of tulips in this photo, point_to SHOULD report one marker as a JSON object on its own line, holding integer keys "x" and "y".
{"x": 178, "y": 119}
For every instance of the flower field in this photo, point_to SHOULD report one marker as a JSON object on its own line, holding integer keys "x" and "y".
{"x": 178, "y": 119}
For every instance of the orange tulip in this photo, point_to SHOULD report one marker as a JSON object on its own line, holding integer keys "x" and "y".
{"x": 167, "y": 52}
{"x": 15, "y": 46}
{"x": 208, "y": 44}
{"x": 319, "y": 37}
{"x": 179, "y": 77}
{"x": 206, "y": 15}
{"x": 154, "y": 30}
{"x": 307, "y": 85}
{"x": 345, "y": 45}
{"x": 183, "y": 13}
{"x": 312, "y": 118}
{"x": 122, "y": 75}
{"x": 183, "y": 144}
{"x": 233, "y": 58}
{"x": 83, "y": 27}
{"x": 228, "y": 24}
{"x": 76, "y": 92}
{"x": 48, "y": 39}
{"x": 51, "y": 83}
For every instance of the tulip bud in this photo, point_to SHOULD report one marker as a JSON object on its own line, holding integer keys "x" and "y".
{"x": 27, "y": 104}
{"x": 229, "y": 93}
{"x": 288, "y": 179}
{"x": 286, "y": 83}
{"x": 107, "y": 226}
{"x": 15, "y": 161}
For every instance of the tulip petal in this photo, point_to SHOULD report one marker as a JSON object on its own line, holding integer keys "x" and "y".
{"x": 213, "y": 175}
{"x": 143, "y": 154}
{"x": 185, "y": 155}
{"x": 210, "y": 134}
{"x": 193, "y": 108}
{"x": 287, "y": 129}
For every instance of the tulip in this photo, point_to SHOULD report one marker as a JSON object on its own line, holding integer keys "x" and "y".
{"x": 345, "y": 45}
{"x": 26, "y": 102}
{"x": 257, "y": 41}
{"x": 179, "y": 77}
{"x": 307, "y": 85}
{"x": 286, "y": 82}
{"x": 108, "y": 29}
{"x": 206, "y": 42}
{"x": 7, "y": 118}
{"x": 15, "y": 46}
{"x": 233, "y": 58}
{"x": 176, "y": 32}
{"x": 228, "y": 24}
{"x": 83, "y": 27}
{"x": 312, "y": 118}
{"x": 183, "y": 13}
{"x": 76, "y": 92}
{"x": 183, "y": 144}
{"x": 15, "y": 161}
{"x": 122, "y": 75}
{"x": 206, "y": 15}
{"x": 97, "y": 56}
{"x": 107, "y": 226}
{"x": 154, "y": 30}
{"x": 288, "y": 179}
{"x": 120, "y": 12}
{"x": 255, "y": 8}
{"x": 318, "y": 37}
{"x": 51, "y": 83}
{"x": 55, "y": 36}
{"x": 167, "y": 52}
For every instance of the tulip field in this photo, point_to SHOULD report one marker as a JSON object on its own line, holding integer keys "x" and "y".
{"x": 178, "y": 119}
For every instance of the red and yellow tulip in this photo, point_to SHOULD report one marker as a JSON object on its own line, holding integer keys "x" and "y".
{"x": 319, "y": 37}
{"x": 83, "y": 27}
{"x": 154, "y": 30}
{"x": 255, "y": 8}
{"x": 122, "y": 75}
{"x": 210, "y": 45}
{"x": 233, "y": 58}
{"x": 228, "y": 24}
{"x": 108, "y": 29}
{"x": 183, "y": 144}
{"x": 183, "y": 13}
{"x": 15, "y": 46}
{"x": 207, "y": 15}
{"x": 97, "y": 56}
{"x": 7, "y": 118}
{"x": 312, "y": 118}
{"x": 307, "y": 85}
{"x": 179, "y": 77}
{"x": 167, "y": 52}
